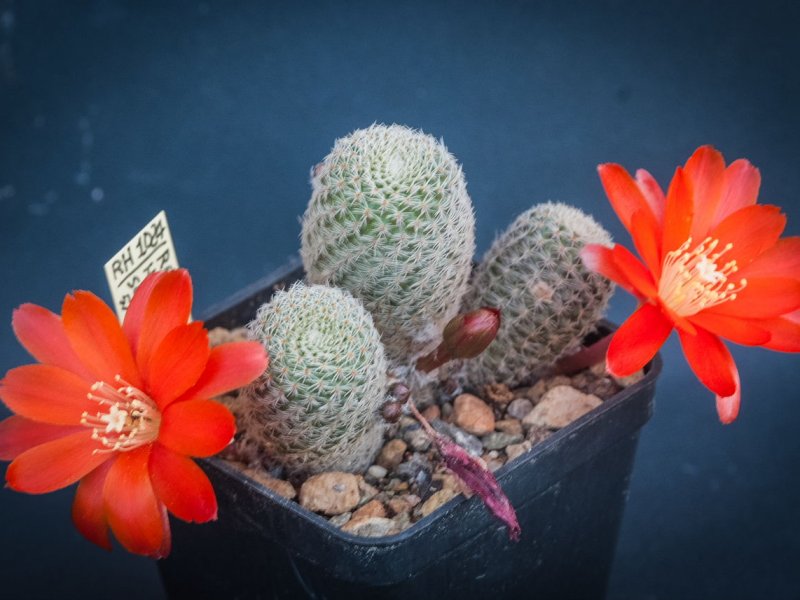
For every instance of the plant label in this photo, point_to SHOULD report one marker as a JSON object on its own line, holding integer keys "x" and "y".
{"x": 150, "y": 250}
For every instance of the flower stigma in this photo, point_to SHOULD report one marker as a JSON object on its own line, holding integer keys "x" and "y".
{"x": 128, "y": 418}
{"x": 694, "y": 281}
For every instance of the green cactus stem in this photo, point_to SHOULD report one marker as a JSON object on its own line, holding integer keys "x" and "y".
{"x": 390, "y": 221}
{"x": 548, "y": 299}
{"x": 317, "y": 406}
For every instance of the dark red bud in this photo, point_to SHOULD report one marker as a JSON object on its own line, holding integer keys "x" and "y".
{"x": 465, "y": 336}
{"x": 392, "y": 411}
{"x": 400, "y": 392}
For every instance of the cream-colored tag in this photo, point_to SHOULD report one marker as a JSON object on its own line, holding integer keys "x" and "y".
{"x": 150, "y": 250}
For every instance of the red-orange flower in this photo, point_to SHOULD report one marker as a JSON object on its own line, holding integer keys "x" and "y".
{"x": 712, "y": 265}
{"x": 121, "y": 409}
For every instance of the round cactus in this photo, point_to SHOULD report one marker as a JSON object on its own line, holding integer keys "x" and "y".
{"x": 549, "y": 300}
{"x": 316, "y": 407}
{"x": 390, "y": 220}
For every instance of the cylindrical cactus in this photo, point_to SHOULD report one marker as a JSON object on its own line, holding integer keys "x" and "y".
{"x": 549, "y": 301}
{"x": 390, "y": 221}
{"x": 316, "y": 408}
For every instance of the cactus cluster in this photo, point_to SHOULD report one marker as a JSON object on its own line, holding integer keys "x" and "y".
{"x": 316, "y": 407}
{"x": 549, "y": 300}
{"x": 390, "y": 221}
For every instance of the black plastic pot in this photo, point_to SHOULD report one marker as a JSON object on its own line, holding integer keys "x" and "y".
{"x": 569, "y": 493}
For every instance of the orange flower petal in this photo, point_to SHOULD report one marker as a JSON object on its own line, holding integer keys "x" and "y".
{"x": 18, "y": 434}
{"x": 740, "y": 188}
{"x": 646, "y": 236}
{"x": 601, "y": 260}
{"x": 47, "y": 394}
{"x": 679, "y": 212}
{"x": 96, "y": 337}
{"x": 229, "y": 367}
{"x": 652, "y": 193}
{"x": 168, "y": 306}
{"x": 133, "y": 511}
{"x": 182, "y": 486}
{"x": 706, "y": 171}
{"x": 710, "y": 360}
{"x": 782, "y": 260}
{"x": 751, "y": 231}
{"x": 728, "y": 406}
{"x": 134, "y": 316}
{"x": 42, "y": 334}
{"x": 196, "y": 427}
{"x": 740, "y": 331}
{"x": 637, "y": 340}
{"x": 785, "y": 333}
{"x": 88, "y": 510}
{"x": 634, "y": 271}
{"x": 177, "y": 363}
{"x": 55, "y": 465}
{"x": 624, "y": 194}
{"x": 763, "y": 298}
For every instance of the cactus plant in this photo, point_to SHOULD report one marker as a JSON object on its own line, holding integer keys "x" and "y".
{"x": 390, "y": 220}
{"x": 316, "y": 407}
{"x": 549, "y": 300}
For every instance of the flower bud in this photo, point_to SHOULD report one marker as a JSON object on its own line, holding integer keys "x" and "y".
{"x": 469, "y": 334}
{"x": 400, "y": 392}
{"x": 392, "y": 411}
{"x": 465, "y": 336}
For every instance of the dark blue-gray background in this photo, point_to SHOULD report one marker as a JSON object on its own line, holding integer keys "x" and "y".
{"x": 111, "y": 111}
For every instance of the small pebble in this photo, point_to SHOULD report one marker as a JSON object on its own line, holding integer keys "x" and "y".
{"x": 432, "y": 412}
{"x": 399, "y": 505}
{"x": 417, "y": 439}
{"x": 538, "y": 434}
{"x": 560, "y": 406}
{"x": 631, "y": 379}
{"x": 604, "y": 388}
{"x": 391, "y": 454}
{"x": 279, "y": 486}
{"x": 373, "y": 508}
{"x": 367, "y": 491}
{"x": 339, "y": 520}
{"x": 473, "y": 415}
{"x": 377, "y": 472}
{"x": 330, "y": 493}
{"x": 371, "y": 527}
{"x": 469, "y": 442}
{"x": 435, "y": 501}
{"x": 511, "y": 426}
{"x": 402, "y": 521}
{"x": 536, "y": 391}
{"x": 519, "y": 408}
{"x": 493, "y": 463}
{"x": 515, "y": 450}
{"x": 497, "y": 440}
{"x": 498, "y": 393}
{"x": 447, "y": 411}
{"x": 556, "y": 381}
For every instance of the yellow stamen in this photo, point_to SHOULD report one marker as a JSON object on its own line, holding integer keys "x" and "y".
{"x": 694, "y": 281}
{"x": 127, "y": 420}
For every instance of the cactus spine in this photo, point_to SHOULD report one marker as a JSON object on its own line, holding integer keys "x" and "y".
{"x": 390, "y": 220}
{"x": 549, "y": 300}
{"x": 316, "y": 406}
